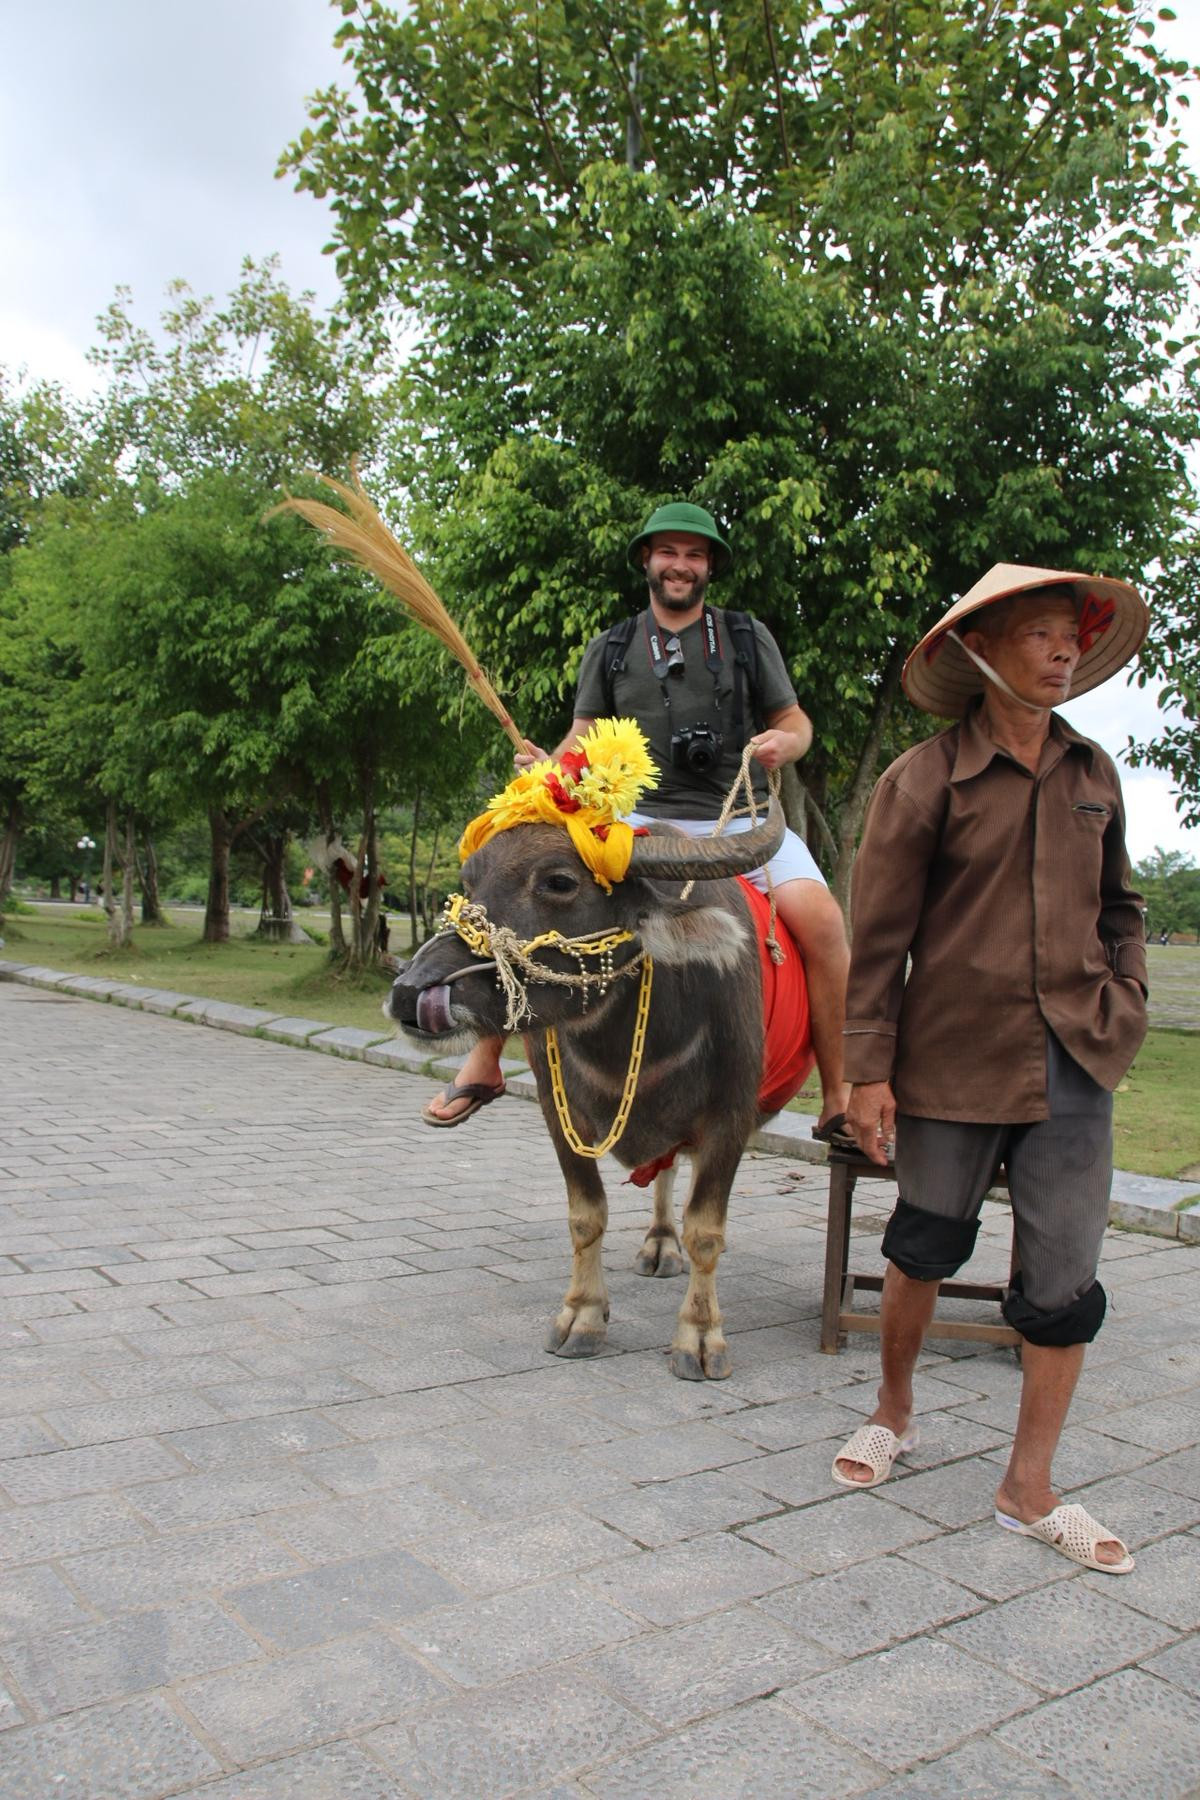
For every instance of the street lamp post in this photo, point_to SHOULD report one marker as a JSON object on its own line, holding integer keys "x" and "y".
{"x": 87, "y": 845}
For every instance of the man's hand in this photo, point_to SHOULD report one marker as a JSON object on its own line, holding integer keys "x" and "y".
{"x": 775, "y": 748}
{"x": 871, "y": 1116}
{"x": 531, "y": 755}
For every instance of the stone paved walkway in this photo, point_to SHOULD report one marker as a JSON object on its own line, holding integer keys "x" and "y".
{"x": 292, "y": 1503}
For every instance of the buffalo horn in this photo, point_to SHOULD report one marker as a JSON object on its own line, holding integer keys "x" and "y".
{"x": 673, "y": 857}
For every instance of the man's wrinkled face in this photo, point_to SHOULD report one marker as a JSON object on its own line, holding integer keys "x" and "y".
{"x": 677, "y": 565}
{"x": 1037, "y": 650}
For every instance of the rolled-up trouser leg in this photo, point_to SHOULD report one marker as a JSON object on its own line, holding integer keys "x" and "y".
{"x": 927, "y": 1246}
{"x": 1060, "y": 1178}
{"x": 943, "y": 1170}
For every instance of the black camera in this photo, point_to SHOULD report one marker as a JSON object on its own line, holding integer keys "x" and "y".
{"x": 698, "y": 749}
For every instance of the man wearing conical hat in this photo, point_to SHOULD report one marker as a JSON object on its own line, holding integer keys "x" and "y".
{"x": 993, "y": 861}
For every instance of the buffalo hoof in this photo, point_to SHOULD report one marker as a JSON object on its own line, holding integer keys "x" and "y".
{"x": 657, "y": 1257}
{"x": 570, "y": 1336}
{"x": 709, "y": 1365}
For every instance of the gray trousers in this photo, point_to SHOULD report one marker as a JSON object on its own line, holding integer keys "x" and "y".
{"x": 1059, "y": 1177}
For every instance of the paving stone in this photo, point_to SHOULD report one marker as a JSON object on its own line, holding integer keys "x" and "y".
{"x": 60, "y": 1527}
{"x": 981, "y": 1771}
{"x": 992, "y": 1562}
{"x": 346, "y": 1040}
{"x": 836, "y": 1533}
{"x": 111, "y": 1420}
{"x": 1165, "y": 1583}
{"x": 912, "y": 1702}
{"x": 539, "y": 1485}
{"x": 1179, "y": 1665}
{"x": 65, "y": 1472}
{"x": 232, "y": 1494}
{"x": 292, "y": 1702}
{"x": 1179, "y": 1472}
{"x": 786, "y": 1424}
{"x": 22, "y": 1437}
{"x": 758, "y": 1752}
{"x": 708, "y": 1666}
{"x": 36, "y": 1599}
{"x": 315, "y": 1605}
{"x": 677, "y": 1450}
{"x": 535, "y": 1730}
{"x": 955, "y": 1494}
{"x": 488, "y": 1560}
{"x": 167, "y": 1568}
{"x": 1125, "y": 1738}
{"x": 660, "y": 1513}
{"x": 334, "y": 1772}
{"x": 138, "y": 1751}
{"x": 484, "y": 1641}
{"x": 1061, "y": 1637}
{"x": 869, "y": 1606}
{"x": 410, "y": 1514}
{"x": 256, "y": 1440}
{"x": 687, "y": 1580}
{"x": 62, "y": 1671}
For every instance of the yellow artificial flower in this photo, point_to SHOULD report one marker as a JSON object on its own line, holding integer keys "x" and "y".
{"x": 603, "y": 776}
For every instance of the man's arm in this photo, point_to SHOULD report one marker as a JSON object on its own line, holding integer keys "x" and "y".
{"x": 888, "y": 889}
{"x": 785, "y": 738}
{"x": 1122, "y": 925}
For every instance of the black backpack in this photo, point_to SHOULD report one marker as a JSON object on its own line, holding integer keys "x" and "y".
{"x": 618, "y": 638}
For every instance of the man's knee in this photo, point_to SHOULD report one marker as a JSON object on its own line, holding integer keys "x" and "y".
{"x": 927, "y": 1246}
{"x": 1075, "y": 1323}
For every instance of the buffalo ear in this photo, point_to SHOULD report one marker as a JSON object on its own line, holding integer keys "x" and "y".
{"x": 676, "y": 934}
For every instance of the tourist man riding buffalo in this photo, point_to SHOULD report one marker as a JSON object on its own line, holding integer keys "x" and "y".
{"x": 993, "y": 869}
{"x": 701, "y": 683}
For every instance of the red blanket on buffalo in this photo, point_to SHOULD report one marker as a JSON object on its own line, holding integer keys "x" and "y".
{"x": 787, "y": 1045}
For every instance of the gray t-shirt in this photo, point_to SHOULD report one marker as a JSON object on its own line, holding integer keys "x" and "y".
{"x": 684, "y": 793}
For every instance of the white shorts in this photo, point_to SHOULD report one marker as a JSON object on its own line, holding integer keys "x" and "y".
{"x": 793, "y": 861}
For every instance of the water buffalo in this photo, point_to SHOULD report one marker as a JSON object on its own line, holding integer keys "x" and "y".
{"x": 699, "y": 1079}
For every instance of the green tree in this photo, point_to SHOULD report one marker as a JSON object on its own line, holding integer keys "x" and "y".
{"x": 1170, "y": 885}
{"x": 1172, "y": 654}
{"x": 896, "y": 297}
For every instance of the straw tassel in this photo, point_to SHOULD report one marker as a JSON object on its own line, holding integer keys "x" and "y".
{"x": 361, "y": 534}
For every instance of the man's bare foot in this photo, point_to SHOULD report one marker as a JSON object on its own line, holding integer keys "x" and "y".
{"x": 833, "y": 1104}
{"x": 1108, "y": 1550}
{"x": 897, "y": 1423}
{"x": 481, "y": 1069}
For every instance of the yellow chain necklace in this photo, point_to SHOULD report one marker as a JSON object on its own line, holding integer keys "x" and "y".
{"x": 636, "y": 1049}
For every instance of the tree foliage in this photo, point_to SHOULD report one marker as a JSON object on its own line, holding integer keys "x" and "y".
{"x": 897, "y": 295}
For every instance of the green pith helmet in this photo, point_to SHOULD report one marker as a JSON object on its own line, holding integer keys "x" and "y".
{"x": 681, "y": 515}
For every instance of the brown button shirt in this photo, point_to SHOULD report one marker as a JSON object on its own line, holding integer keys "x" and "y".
{"x": 1011, "y": 893}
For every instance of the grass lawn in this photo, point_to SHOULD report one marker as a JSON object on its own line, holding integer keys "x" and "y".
{"x": 1157, "y": 1105}
{"x": 285, "y": 978}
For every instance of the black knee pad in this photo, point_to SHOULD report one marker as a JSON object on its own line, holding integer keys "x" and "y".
{"x": 926, "y": 1246}
{"x": 1076, "y": 1323}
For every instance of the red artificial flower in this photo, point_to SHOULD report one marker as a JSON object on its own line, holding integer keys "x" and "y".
{"x": 565, "y": 802}
{"x": 573, "y": 763}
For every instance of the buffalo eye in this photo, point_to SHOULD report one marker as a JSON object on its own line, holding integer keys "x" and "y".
{"x": 559, "y": 881}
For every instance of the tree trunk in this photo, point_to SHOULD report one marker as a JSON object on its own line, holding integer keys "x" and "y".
{"x": 55, "y": 887}
{"x": 8, "y": 850}
{"x": 412, "y": 869}
{"x": 364, "y": 891}
{"x": 106, "y": 878}
{"x": 426, "y": 892}
{"x": 127, "y": 853}
{"x": 859, "y": 792}
{"x": 276, "y": 922}
{"x": 337, "y": 936}
{"x": 147, "y": 874}
{"x": 216, "y": 913}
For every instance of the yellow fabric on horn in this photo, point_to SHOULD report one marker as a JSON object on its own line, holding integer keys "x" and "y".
{"x": 587, "y": 791}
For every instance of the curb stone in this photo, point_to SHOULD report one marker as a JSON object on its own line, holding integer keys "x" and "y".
{"x": 1144, "y": 1203}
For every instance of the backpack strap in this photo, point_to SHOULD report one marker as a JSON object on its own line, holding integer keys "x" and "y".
{"x": 745, "y": 670}
{"x": 617, "y": 640}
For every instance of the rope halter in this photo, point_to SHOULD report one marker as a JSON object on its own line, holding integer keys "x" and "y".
{"x": 501, "y": 949}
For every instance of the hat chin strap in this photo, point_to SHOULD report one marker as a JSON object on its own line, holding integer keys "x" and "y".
{"x": 997, "y": 680}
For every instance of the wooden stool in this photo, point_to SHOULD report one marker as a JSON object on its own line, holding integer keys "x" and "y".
{"x": 837, "y": 1308}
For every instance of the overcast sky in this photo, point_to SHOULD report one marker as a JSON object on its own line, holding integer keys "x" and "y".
{"x": 138, "y": 142}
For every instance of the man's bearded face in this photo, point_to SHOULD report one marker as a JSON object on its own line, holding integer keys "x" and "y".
{"x": 678, "y": 565}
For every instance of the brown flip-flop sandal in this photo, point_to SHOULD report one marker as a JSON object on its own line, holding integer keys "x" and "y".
{"x": 478, "y": 1092}
{"x": 834, "y": 1133}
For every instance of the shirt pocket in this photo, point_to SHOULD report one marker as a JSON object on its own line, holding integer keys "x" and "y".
{"x": 1091, "y": 816}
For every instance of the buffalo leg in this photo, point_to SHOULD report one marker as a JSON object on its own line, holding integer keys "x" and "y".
{"x": 699, "y": 1352}
{"x": 582, "y": 1323}
{"x": 659, "y": 1255}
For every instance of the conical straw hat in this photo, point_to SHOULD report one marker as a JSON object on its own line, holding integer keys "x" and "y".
{"x": 1113, "y": 620}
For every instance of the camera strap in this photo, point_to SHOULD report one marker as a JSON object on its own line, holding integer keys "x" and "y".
{"x": 656, "y": 645}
